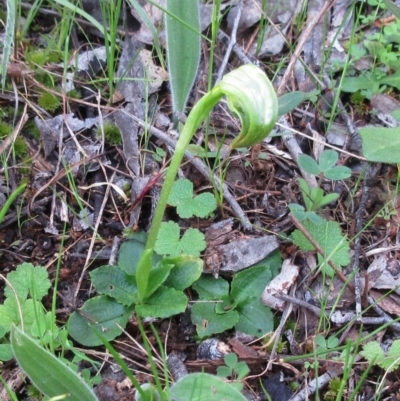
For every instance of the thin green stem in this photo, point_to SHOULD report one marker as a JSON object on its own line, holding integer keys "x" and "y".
{"x": 198, "y": 114}
{"x": 11, "y": 199}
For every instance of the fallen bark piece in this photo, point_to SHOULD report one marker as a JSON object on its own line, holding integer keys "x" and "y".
{"x": 239, "y": 254}
{"x": 280, "y": 285}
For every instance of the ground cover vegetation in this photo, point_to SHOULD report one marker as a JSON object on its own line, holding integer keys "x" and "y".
{"x": 199, "y": 200}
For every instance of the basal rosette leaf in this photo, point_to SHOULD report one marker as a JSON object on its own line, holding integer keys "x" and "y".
{"x": 252, "y": 97}
{"x": 47, "y": 372}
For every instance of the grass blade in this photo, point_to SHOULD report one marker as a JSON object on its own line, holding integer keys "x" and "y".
{"x": 8, "y": 39}
{"x": 84, "y": 14}
{"x": 150, "y": 25}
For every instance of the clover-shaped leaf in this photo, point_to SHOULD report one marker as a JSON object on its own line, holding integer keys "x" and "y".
{"x": 169, "y": 241}
{"x": 325, "y": 166}
{"x": 188, "y": 206}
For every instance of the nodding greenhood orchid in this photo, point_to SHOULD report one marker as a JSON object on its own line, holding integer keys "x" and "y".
{"x": 252, "y": 98}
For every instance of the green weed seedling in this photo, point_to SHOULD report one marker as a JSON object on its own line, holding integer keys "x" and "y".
{"x": 375, "y": 355}
{"x": 25, "y": 288}
{"x": 327, "y": 234}
{"x": 325, "y": 344}
{"x": 315, "y": 199}
{"x": 234, "y": 370}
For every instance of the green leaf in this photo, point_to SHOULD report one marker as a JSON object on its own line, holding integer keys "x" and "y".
{"x": 255, "y": 318}
{"x": 320, "y": 342}
{"x": 373, "y": 353}
{"x": 197, "y": 150}
{"x": 391, "y": 80}
{"x": 182, "y": 25}
{"x": 310, "y": 198}
{"x": 289, "y": 101}
{"x": 208, "y": 322}
{"x": 273, "y": 261}
{"x": 165, "y": 302}
{"x": 130, "y": 252}
{"x": 326, "y": 200}
{"x": 169, "y": 243}
{"x": 143, "y": 273}
{"x": 209, "y": 287}
{"x": 6, "y": 352}
{"x": 381, "y": 144}
{"x": 309, "y": 165}
{"x": 28, "y": 280}
{"x": 204, "y": 387}
{"x": 185, "y": 271}
{"x": 113, "y": 281}
{"x": 231, "y": 360}
{"x": 225, "y": 305}
{"x": 188, "y": 206}
{"x": 332, "y": 342}
{"x": 224, "y": 371}
{"x": 329, "y": 237}
{"x": 10, "y": 313}
{"x": 150, "y": 391}
{"x": 327, "y": 160}
{"x": 45, "y": 327}
{"x": 314, "y": 217}
{"x": 3, "y": 331}
{"x": 338, "y": 173}
{"x": 158, "y": 275}
{"x": 99, "y": 313}
{"x": 51, "y": 376}
{"x": 395, "y": 10}
{"x": 363, "y": 82}
{"x": 250, "y": 283}
{"x": 242, "y": 370}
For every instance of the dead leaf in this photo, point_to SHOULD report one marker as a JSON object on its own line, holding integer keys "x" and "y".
{"x": 155, "y": 74}
{"x": 389, "y": 303}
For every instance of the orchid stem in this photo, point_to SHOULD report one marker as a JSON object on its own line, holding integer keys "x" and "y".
{"x": 198, "y": 114}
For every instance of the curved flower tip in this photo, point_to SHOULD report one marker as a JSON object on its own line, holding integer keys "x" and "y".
{"x": 252, "y": 97}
